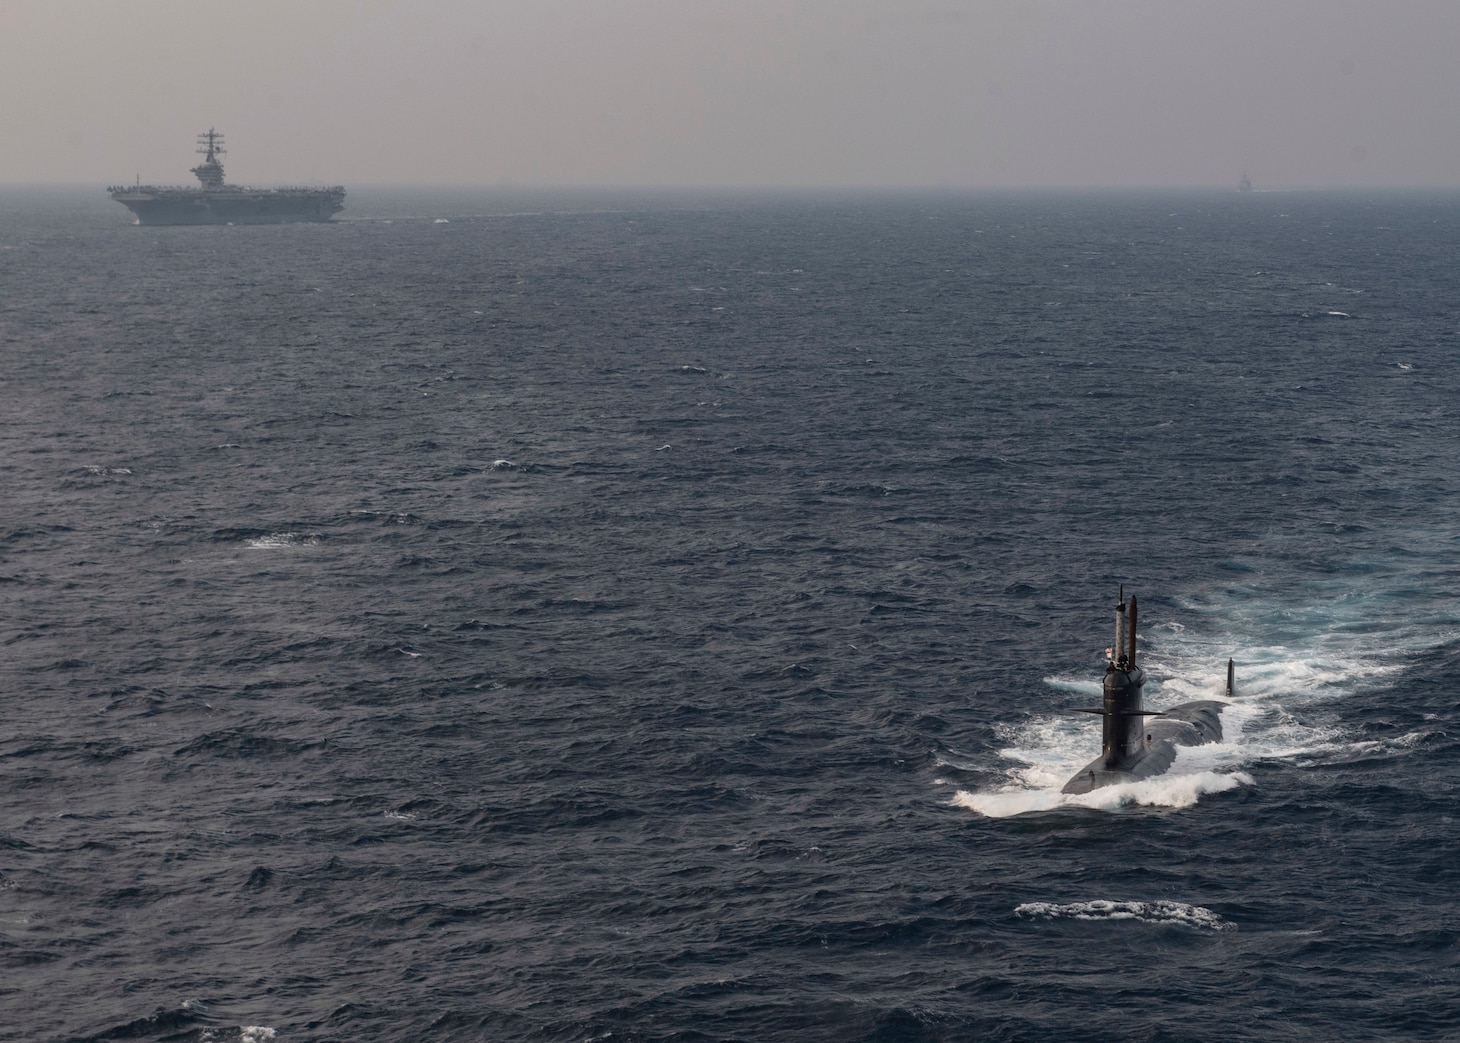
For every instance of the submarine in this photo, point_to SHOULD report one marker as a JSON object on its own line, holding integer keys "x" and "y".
{"x": 1137, "y": 743}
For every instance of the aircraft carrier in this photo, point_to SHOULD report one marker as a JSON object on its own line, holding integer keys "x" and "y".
{"x": 218, "y": 203}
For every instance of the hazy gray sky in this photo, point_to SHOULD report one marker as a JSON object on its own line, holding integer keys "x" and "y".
{"x": 736, "y": 92}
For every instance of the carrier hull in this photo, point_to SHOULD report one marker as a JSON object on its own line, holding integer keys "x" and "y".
{"x": 187, "y": 206}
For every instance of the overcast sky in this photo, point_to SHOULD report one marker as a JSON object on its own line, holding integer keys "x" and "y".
{"x": 736, "y": 92}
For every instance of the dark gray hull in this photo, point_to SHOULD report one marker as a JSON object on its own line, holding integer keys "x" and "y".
{"x": 231, "y": 206}
{"x": 1190, "y": 724}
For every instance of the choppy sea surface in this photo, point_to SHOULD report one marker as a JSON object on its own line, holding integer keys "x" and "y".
{"x": 653, "y": 617}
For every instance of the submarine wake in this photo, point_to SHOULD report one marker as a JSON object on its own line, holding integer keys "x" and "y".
{"x": 1169, "y": 791}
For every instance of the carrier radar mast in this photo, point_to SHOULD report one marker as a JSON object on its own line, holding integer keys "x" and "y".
{"x": 210, "y": 171}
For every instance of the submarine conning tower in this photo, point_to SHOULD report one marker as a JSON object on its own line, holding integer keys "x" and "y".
{"x": 1123, "y": 713}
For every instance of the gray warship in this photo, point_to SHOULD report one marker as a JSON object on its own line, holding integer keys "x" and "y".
{"x": 218, "y": 203}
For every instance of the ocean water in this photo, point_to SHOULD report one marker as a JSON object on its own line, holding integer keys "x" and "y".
{"x": 652, "y": 617}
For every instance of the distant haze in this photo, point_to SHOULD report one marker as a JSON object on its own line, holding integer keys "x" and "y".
{"x": 957, "y": 93}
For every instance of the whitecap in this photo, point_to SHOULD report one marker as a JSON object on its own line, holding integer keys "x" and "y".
{"x": 1158, "y": 912}
{"x": 277, "y": 540}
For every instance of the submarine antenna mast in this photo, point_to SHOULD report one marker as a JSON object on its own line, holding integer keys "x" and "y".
{"x": 1117, "y": 650}
{"x": 1132, "y": 665}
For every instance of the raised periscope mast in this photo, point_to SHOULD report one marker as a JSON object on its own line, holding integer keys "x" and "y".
{"x": 219, "y": 203}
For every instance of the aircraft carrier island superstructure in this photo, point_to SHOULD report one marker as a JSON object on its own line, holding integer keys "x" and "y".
{"x": 217, "y": 203}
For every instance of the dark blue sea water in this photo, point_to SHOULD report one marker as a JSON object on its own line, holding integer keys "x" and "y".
{"x": 652, "y": 618}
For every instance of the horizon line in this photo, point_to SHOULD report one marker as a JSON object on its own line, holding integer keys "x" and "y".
{"x": 767, "y": 187}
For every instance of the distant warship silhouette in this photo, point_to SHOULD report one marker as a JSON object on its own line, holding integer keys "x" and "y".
{"x": 1137, "y": 743}
{"x": 217, "y": 203}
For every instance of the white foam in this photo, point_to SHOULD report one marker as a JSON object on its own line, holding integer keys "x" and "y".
{"x": 246, "y": 1034}
{"x": 276, "y": 540}
{"x": 1172, "y": 790}
{"x": 1159, "y": 912}
{"x": 1006, "y": 803}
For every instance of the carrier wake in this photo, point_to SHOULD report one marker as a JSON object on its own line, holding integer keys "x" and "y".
{"x": 219, "y": 203}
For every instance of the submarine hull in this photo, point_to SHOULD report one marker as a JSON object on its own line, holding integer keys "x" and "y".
{"x": 1190, "y": 724}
